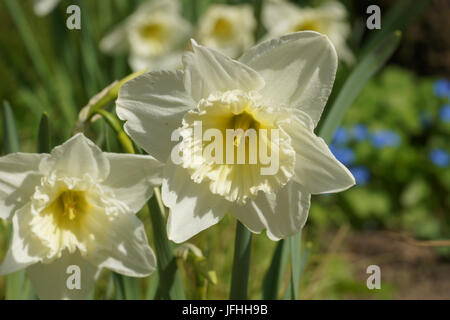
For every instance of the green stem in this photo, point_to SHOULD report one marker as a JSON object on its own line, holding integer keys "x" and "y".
{"x": 241, "y": 263}
{"x": 111, "y": 94}
{"x": 115, "y": 124}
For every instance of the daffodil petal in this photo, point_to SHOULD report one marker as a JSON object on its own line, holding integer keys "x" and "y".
{"x": 246, "y": 215}
{"x": 284, "y": 213}
{"x": 23, "y": 251}
{"x": 132, "y": 178}
{"x": 77, "y": 157}
{"x": 53, "y": 281}
{"x": 153, "y": 106}
{"x": 316, "y": 168}
{"x": 208, "y": 71}
{"x": 125, "y": 249}
{"x": 19, "y": 175}
{"x": 299, "y": 70}
{"x": 193, "y": 207}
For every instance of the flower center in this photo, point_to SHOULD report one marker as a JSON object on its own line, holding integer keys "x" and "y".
{"x": 68, "y": 208}
{"x": 243, "y": 121}
{"x": 233, "y": 141}
{"x": 151, "y": 35}
{"x": 222, "y": 29}
{"x": 152, "y": 31}
{"x": 307, "y": 25}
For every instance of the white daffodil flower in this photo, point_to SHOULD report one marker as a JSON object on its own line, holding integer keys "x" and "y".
{"x": 227, "y": 28}
{"x": 76, "y": 207}
{"x": 154, "y": 36}
{"x": 44, "y": 7}
{"x": 280, "y": 85}
{"x": 280, "y": 18}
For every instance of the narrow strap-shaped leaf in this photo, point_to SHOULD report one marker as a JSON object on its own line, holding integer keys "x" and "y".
{"x": 169, "y": 286}
{"x": 257, "y": 12}
{"x": 131, "y": 287}
{"x": 369, "y": 65}
{"x": 288, "y": 294}
{"x": 44, "y": 135}
{"x": 10, "y": 136}
{"x": 119, "y": 288}
{"x": 241, "y": 263}
{"x": 125, "y": 288}
{"x": 295, "y": 243}
{"x": 152, "y": 287}
{"x": 276, "y": 271}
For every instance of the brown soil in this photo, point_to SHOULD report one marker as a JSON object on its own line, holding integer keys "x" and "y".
{"x": 415, "y": 271}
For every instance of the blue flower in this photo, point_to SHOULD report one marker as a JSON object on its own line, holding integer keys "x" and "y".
{"x": 442, "y": 88}
{"x": 444, "y": 113}
{"x": 360, "y": 132}
{"x": 439, "y": 157}
{"x": 361, "y": 174}
{"x": 385, "y": 138}
{"x": 345, "y": 155}
{"x": 340, "y": 136}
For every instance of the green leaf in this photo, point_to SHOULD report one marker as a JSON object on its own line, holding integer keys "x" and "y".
{"x": 257, "y": 12}
{"x": 125, "y": 288}
{"x": 44, "y": 135}
{"x": 14, "y": 284}
{"x": 152, "y": 287}
{"x": 295, "y": 243}
{"x": 365, "y": 69}
{"x": 11, "y": 138}
{"x": 241, "y": 263}
{"x": 119, "y": 289}
{"x": 300, "y": 268}
{"x": 276, "y": 271}
{"x": 169, "y": 285}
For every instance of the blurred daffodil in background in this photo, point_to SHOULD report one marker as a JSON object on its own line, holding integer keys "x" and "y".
{"x": 76, "y": 207}
{"x": 44, "y": 7}
{"x": 155, "y": 36}
{"x": 227, "y": 28}
{"x": 283, "y": 17}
